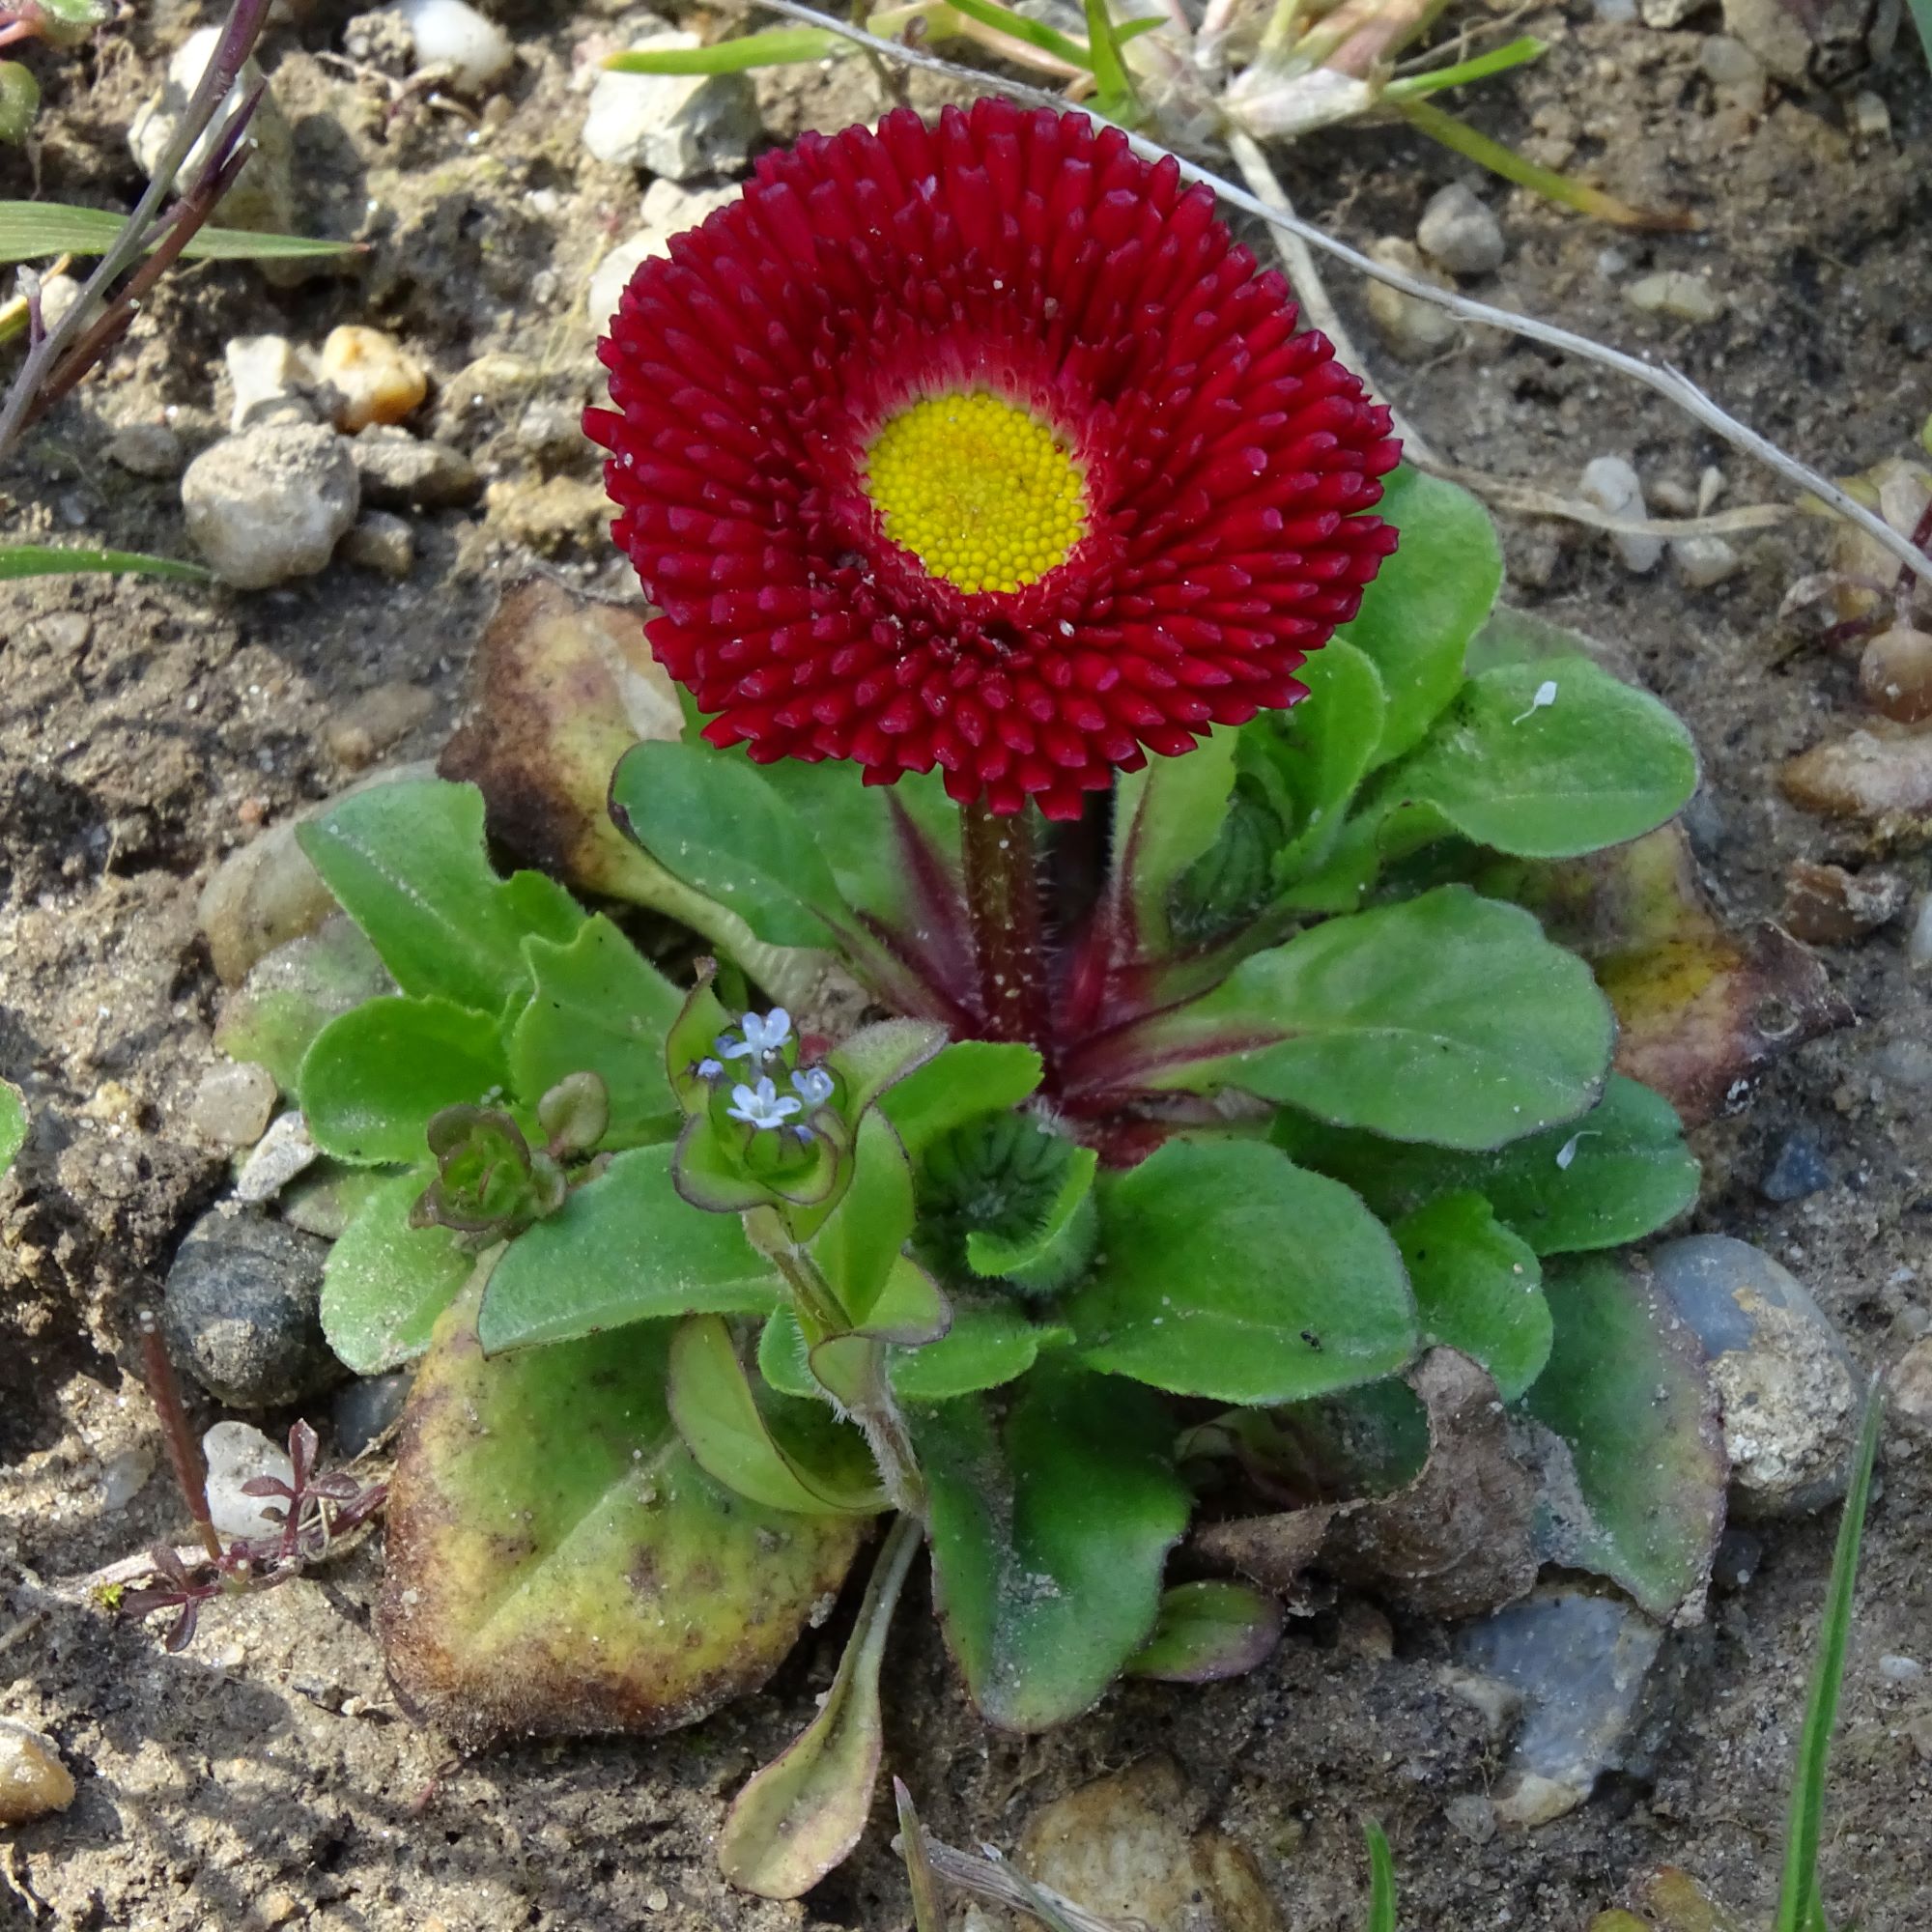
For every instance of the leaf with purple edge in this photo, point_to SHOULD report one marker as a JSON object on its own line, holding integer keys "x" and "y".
{"x": 1208, "y": 1630}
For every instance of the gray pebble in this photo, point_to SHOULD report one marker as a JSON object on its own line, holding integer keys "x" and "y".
{"x": 1784, "y": 1379}
{"x": 401, "y": 472}
{"x": 1598, "y": 1685}
{"x": 367, "y": 1407}
{"x": 1415, "y": 329}
{"x": 1797, "y": 1170}
{"x": 1460, "y": 233}
{"x": 1613, "y": 484}
{"x": 1703, "y": 562}
{"x": 1473, "y": 1816}
{"x": 271, "y": 504}
{"x": 1895, "y": 1669}
{"x": 240, "y": 1310}
{"x": 382, "y": 542}
{"x": 234, "y": 1104}
{"x": 147, "y": 449}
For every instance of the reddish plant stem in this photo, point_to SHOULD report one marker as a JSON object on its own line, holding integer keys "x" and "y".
{"x": 183, "y": 1451}
{"x": 1002, "y": 907}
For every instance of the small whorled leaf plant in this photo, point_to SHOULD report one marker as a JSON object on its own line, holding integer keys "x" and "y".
{"x": 1210, "y": 1084}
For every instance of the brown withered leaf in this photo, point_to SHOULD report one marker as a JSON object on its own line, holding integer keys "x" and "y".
{"x": 1453, "y": 1542}
{"x": 1700, "y": 1008}
{"x": 563, "y": 687}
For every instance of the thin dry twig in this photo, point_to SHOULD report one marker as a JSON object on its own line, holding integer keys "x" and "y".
{"x": 1670, "y": 383}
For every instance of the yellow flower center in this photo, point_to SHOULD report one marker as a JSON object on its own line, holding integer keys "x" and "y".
{"x": 983, "y": 494}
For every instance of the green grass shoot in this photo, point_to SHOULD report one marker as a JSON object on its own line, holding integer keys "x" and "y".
{"x": 1800, "y": 1908}
{"x": 63, "y": 559}
{"x": 1381, "y": 1880}
{"x": 30, "y": 230}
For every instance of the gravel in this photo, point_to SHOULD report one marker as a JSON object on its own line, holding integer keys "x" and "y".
{"x": 270, "y": 503}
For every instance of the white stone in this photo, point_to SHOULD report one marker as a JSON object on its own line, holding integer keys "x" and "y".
{"x": 1612, "y": 484}
{"x": 237, "y": 1453}
{"x": 450, "y": 34}
{"x": 1897, "y": 1670}
{"x": 58, "y": 295}
{"x": 124, "y": 1475}
{"x": 1675, "y": 292}
{"x": 271, "y": 504}
{"x": 1459, "y": 232}
{"x": 265, "y": 372}
{"x": 678, "y": 125}
{"x": 1870, "y": 118}
{"x": 668, "y": 210}
{"x": 284, "y": 1152}
{"x": 1702, "y": 562}
{"x": 263, "y": 196}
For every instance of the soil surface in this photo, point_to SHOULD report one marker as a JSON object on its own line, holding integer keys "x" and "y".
{"x": 265, "y": 1775}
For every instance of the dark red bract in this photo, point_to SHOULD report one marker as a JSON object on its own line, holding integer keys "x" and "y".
{"x": 1028, "y": 255}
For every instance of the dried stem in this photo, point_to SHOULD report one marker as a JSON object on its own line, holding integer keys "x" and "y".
{"x": 1001, "y": 861}
{"x": 185, "y": 1455}
{"x": 238, "y": 35}
{"x": 1666, "y": 381}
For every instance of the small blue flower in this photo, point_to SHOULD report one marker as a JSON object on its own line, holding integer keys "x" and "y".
{"x": 812, "y": 1085}
{"x": 709, "y": 1068}
{"x": 760, "y": 1106}
{"x": 767, "y": 1033}
{"x": 805, "y": 1134}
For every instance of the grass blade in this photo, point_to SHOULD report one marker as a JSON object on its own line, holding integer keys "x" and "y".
{"x": 780, "y": 46}
{"x": 1017, "y": 26}
{"x": 1921, "y": 19}
{"x": 31, "y": 229}
{"x": 1499, "y": 60}
{"x": 1381, "y": 1880}
{"x": 60, "y": 559}
{"x": 1459, "y": 138}
{"x": 1800, "y": 1909}
{"x": 1113, "y": 86}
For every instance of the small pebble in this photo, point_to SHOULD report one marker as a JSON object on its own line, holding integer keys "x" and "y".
{"x": 1869, "y": 117}
{"x": 240, "y": 1310}
{"x": 1773, "y": 33}
{"x": 237, "y": 1453}
{"x": 1895, "y": 674}
{"x": 373, "y": 378}
{"x": 1736, "y": 1563}
{"x": 1826, "y": 905}
{"x": 1886, "y": 783}
{"x": 1918, "y": 943}
{"x": 1472, "y": 1816}
{"x": 382, "y": 542}
{"x": 271, "y": 504}
{"x": 274, "y": 1908}
{"x": 1785, "y": 1381}
{"x": 284, "y": 1152}
{"x": 367, "y": 1407}
{"x": 1703, "y": 561}
{"x": 1415, "y": 329}
{"x": 1911, "y": 1406}
{"x": 668, "y": 210}
{"x": 448, "y": 34}
{"x": 267, "y": 375}
{"x": 263, "y": 193}
{"x": 679, "y": 125}
{"x": 657, "y": 1899}
{"x": 1613, "y": 484}
{"x": 368, "y": 725}
{"x": 1677, "y": 294}
{"x": 1895, "y": 1669}
{"x": 399, "y": 471}
{"x": 1797, "y": 1170}
{"x": 33, "y": 1780}
{"x": 124, "y": 1475}
{"x": 147, "y": 449}
{"x": 232, "y": 1104}
{"x": 1459, "y": 232}
{"x": 1728, "y": 63}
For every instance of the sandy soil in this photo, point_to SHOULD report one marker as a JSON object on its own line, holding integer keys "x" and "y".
{"x": 265, "y": 1775}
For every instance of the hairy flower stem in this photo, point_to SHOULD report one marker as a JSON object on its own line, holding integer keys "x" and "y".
{"x": 1002, "y": 904}
{"x": 871, "y": 1406}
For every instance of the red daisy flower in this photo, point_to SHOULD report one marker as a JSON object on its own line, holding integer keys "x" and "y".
{"x": 983, "y": 445}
